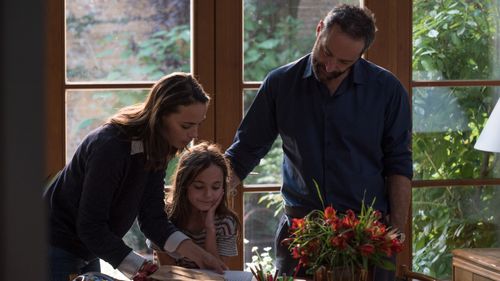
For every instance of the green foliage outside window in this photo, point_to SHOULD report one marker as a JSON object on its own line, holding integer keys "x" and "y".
{"x": 453, "y": 40}
{"x": 165, "y": 51}
{"x": 270, "y": 42}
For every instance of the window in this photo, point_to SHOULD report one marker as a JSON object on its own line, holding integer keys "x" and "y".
{"x": 444, "y": 52}
{"x": 114, "y": 53}
{"x": 455, "y": 85}
{"x": 108, "y": 55}
{"x": 102, "y": 77}
{"x": 112, "y": 45}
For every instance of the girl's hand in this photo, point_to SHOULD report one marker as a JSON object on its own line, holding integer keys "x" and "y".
{"x": 202, "y": 258}
{"x": 210, "y": 217}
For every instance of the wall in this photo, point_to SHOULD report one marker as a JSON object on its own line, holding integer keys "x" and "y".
{"x": 22, "y": 227}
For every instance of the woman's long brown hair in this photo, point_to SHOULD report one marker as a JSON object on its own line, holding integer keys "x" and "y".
{"x": 143, "y": 121}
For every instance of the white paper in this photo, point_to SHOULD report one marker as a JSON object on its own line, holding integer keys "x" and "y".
{"x": 230, "y": 275}
{"x": 177, "y": 273}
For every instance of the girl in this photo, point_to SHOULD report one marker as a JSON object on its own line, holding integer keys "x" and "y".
{"x": 116, "y": 175}
{"x": 198, "y": 204}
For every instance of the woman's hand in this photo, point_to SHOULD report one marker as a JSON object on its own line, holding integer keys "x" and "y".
{"x": 147, "y": 268}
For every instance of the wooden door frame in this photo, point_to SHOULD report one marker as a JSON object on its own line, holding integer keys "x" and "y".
{"x": 229, "y": 88}
{"x": 392, "y": 50}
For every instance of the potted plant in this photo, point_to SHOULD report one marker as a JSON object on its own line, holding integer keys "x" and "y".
{"x": 334, "y": 246}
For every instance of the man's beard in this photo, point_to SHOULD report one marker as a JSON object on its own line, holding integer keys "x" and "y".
{"x": 320, "y": 73}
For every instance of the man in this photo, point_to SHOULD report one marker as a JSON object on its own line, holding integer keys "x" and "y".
{"x": 345, "y": 123}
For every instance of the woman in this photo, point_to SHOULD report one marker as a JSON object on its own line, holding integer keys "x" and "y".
{"x": 116, "y": 175}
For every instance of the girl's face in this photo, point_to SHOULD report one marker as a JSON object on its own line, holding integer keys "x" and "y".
{"x": 206, "y": 188}
{"x": 181, "y": 127}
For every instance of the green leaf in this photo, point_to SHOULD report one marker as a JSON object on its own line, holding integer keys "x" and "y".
{"x": 433, "y": 33}
{"x": 268, "y": 44}
{"x": 319, "y": 193}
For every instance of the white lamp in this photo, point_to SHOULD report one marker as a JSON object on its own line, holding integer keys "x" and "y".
{"x": 489, "y": 139}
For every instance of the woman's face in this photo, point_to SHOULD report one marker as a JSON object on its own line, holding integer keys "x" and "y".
{"x": 206, "y": 188}
{"x": 181, "y": 127}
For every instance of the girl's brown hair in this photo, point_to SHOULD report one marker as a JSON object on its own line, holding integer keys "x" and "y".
{"x": 191, "y": 163}
{"x": 143, "y": 121}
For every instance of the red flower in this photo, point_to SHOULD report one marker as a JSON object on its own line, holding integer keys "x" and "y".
{"x": 330, "y": 213}
{"x": 297, "y": 224}
{"x": 304, "y": 260}
{"x": 396, "y": 246}
{"x": 342, "y": 240}
{"x": 367, "y": 249}
{"x": 377, "y": 232}
{"x": 350, "y": 220}
{"x": 335, "y": 224}
{"x": 348, "y": 234}
{"x": 296, "y": 252}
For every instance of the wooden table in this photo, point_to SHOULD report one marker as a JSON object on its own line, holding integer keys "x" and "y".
{"x": 476, "y": 264}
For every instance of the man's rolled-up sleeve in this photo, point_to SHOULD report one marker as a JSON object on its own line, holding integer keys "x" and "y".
{"x": 397, "y": 134}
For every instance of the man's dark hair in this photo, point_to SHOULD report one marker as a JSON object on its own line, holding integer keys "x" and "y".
{"x": 357, "y": 22}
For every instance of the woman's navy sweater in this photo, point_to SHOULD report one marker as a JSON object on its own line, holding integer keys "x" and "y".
{"x": 97, "y": 196}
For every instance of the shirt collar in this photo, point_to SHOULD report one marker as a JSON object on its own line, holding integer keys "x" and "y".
{"x": 359, "y": 75}
{"x": 136, "y": 147}
{"x": 308, "y": 71}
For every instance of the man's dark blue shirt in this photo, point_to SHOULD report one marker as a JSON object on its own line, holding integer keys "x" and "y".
{"x": 348, "y": 141}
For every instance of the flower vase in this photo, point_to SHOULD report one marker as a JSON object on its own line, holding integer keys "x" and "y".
{"x": 342, "y": 274}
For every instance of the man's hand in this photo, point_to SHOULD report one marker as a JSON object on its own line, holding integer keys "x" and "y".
{"x": 233, "y": 183}
{"x": 202, "y": 258}
{"x": 399, "y": 188}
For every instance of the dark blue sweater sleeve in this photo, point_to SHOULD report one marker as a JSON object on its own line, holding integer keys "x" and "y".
{"x": 152, "y": 218}
{"x": 105, "y": 168}
{"x": 397, "y": 133}
{"x": 256, "y": 132}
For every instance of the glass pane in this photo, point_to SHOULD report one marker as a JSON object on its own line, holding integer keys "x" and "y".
{"x": 456, "y": 40}
{"x": 446, "y": 125}
{"x": 126, "y": 40}
{"x": 269, "y": 169}
{"x": 261, "y": 215}
{"x": 280, "y": 31}
{"x": 248, "y": 97}
{"x": 450, "y": 218}
{"x": 86, "y": 110}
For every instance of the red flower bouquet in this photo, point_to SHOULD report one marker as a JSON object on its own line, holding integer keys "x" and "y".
{"x": 331, "y": 240}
